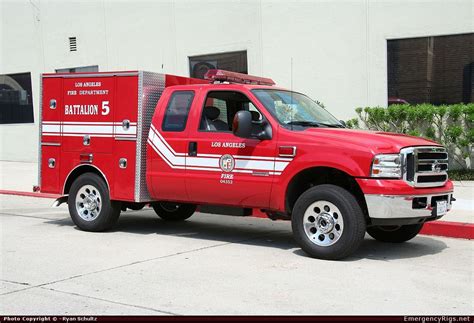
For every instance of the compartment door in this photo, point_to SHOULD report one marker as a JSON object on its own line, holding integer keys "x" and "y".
{"x": 50, "y": 135}
{"x": 87, "y": 113}
{"x": 125, "y": 143}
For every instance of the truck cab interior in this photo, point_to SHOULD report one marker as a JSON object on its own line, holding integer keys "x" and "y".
{"x": 220, "y": 108}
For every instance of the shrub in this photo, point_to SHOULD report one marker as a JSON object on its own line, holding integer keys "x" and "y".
{"x": 449, "y": 125}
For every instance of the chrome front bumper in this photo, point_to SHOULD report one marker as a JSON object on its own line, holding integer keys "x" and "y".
{"x": 405, "y": 206}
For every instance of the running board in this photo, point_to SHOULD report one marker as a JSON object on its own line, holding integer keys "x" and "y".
{"x": 225, "y": 210}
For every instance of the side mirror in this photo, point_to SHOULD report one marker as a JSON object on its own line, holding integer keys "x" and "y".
{"x": 266, "y": 133}
{"x": 242, "y": 124}
{"x": 343, "y": 123}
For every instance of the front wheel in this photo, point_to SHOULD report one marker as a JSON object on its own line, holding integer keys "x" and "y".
{"x": 396, "y": 234}
{"x": 328, "y": 222}
{"x": 173, "y": 212}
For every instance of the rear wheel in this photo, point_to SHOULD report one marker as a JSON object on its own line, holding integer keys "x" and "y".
{"x": 89, "y": 204}
{"x": 328, "y": 222}
{"x": 392, "y": 233}
{"x": 170, "y": 211}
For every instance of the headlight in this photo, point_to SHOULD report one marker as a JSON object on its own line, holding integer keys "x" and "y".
{"x": 387, "y": 165}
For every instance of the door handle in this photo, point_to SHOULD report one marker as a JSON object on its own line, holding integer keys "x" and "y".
{"x": 192, "y": 148}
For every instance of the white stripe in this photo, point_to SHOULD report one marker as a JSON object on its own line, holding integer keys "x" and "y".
{"x": 121, "y": 123}
{"x": 119, "y": 130}
{"x": 157, "y": 133}
{"x": 52, "y": 128}
{"x": 210, "y": 162}
{"x": 175, "y": 160}
{"x": 248, "y": 157}
{"x": 254, "y": 164}
{"x": 280, "y": 166}
{"x": 91, "y": 129}
{"x": 91, "y": 135}
{"x": 200, "y": 161}
{"x": 91, "y": 123}
{"x": 166, "y": 161}
{"x": 289, "y": 159}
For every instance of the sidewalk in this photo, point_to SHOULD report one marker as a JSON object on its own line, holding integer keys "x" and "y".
{"x": 21, "y": 176}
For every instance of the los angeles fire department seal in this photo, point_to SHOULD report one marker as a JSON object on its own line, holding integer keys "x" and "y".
{"x": 227, "y": 163}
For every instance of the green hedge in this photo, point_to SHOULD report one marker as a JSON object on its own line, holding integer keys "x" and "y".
{"x": 449, "y": 125}
{"x": 461, "y": 174}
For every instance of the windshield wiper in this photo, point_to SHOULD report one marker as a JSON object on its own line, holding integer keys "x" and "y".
{"x": 304, "y": 123}
{"x": 332, "y": 125}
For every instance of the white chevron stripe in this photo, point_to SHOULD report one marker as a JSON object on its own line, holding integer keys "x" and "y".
{"x": 210, "y": 162}
{"x": 157, "y": 133}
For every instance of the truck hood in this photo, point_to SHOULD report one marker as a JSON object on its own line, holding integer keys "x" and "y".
{"x": 374, "y": 141}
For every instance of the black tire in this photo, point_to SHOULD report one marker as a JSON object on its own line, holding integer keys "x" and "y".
{"x": 395, "y": 234}
{"x": 108, "y": 211}
{"x": 353, "y": 226}
{"x": 173, "y": 212}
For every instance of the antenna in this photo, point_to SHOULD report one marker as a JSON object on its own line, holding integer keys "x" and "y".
{"x": 291, "y": 89}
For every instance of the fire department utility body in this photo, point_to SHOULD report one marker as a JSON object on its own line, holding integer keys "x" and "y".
{"x": 117, "y": 140}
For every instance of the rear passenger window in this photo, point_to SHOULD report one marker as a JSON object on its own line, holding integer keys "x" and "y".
{"x": 177, "y": 111}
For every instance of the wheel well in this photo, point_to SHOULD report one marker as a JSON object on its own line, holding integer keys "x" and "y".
{"x": 78, "y": 171}
{"x": 322, "y": 175}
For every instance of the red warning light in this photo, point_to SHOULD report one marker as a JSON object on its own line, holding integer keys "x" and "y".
{"x": 234, "y": 77}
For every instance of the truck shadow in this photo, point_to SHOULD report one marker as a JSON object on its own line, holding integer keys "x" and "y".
{"x": 260, "y": 232}
{"x": 376, "y": 250}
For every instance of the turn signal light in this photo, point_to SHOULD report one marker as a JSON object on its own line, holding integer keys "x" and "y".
{"x": 386, "y": 165}
{"x": 286, "y": 151}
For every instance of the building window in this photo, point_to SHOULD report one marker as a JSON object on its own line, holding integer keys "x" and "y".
{"x": 231, "y": 61}
{"x": 81, "y": 69}
{"x": 177, "y": 111}
{"x": 16, "y": 99}
{"x": 437, "y": 70}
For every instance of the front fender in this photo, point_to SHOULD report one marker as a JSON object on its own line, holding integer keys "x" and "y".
{"x": 355, "y": 164}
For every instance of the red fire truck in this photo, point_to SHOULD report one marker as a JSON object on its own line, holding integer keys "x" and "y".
{"x": 117, "y": 140}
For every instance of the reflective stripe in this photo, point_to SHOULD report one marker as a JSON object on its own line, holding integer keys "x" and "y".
{"x": 51, "y": 128}
{"x": 94, "y": 129}
{"x": 210, "y": 162}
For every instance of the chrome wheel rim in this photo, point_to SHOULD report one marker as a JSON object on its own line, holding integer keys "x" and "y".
{"x": 88, "y": 203}
{"x": 323, "y": 223}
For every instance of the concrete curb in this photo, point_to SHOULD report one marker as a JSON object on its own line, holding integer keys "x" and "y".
{"x": 436, "y": 228}
{"x": 449, "y": 229}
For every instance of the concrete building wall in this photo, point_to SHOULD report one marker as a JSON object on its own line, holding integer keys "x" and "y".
{"x": 334, "y": 51}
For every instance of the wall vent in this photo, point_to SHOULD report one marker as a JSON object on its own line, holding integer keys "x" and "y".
{"x": 72, "y": 44}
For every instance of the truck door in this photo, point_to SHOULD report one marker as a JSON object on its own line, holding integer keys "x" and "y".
{"x": 167, "y": 146}
{"x": 222, "y": 168}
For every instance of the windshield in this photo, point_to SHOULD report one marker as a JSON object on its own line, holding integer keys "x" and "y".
{"x": 292, "y": 108}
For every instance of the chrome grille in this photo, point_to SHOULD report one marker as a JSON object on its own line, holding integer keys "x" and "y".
{"x": 425, "y": 166}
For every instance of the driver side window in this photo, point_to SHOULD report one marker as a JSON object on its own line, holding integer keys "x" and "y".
{"x": 220, "y": 108}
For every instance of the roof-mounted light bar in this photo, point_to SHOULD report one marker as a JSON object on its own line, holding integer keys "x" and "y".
{"x": 215, "y": 75}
